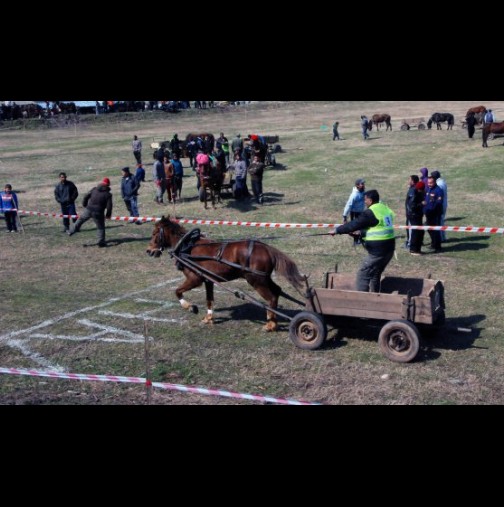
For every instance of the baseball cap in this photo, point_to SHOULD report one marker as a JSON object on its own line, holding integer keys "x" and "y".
{"x": 360, "y": 181}
{"x": 106, "y": 181}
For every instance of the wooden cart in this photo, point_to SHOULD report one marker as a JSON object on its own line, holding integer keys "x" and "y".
{"x": 402, "y": 302}
{"x": 410, "y": 123}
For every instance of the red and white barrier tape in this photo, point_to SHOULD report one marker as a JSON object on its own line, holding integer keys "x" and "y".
{"x": 137, "y": 380}
{"x": 270, "y": 225}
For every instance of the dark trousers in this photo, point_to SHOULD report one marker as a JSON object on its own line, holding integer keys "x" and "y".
{"x": 416, "y": 236}
{"x": 369, "y": 274}
{"x": 68, "y": 209}
{"x": 138, "y": 156}
{"x": 11, "y": 220}
{"x": 257, "y": 189}
{"x": 353, "y": 216}
{"x": 470, "y": 131}
{"x": 432, "y": 219}
{"x": 99, "y": 220}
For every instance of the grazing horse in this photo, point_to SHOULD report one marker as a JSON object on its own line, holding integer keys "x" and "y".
{"x": 491, "y": 128}
{"x": 378, "y": 119}
{"x": 438, "y": 118}
{"x": 224, "y": 261}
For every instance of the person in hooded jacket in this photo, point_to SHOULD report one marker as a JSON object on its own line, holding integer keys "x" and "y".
{"x": 98, "y": 206}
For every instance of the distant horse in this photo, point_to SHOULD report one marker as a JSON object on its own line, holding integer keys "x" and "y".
{"x": 439, "y": 118}
{"x": 224, "y": 261}
{"x": 491, "y": 128}
{"x": 476, "y": 110}
{"x": 378, "y": 119}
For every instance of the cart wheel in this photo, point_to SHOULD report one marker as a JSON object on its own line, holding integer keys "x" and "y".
{"x": 307, "y": 330}
{"x": 405, "y": 126}
{"x": 421, "y": 126}
{"x": 399, "y": 341}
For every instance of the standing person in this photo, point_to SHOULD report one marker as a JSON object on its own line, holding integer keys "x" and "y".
{"x": 237, "y": 144}
{"x": 425, "y": 176}
{"x": 364, "y": 127}
{"x": 441, "y": 183}
{"x": 170, "y": 179}
{"x": 158, "y": 175}
{"x": 256, "y": 171}
{"x": 409, "y": 206}
{"x": 335, "y": 131}
{"x": 240, "y": 172}
{"x": 129, "y": 193}
{"x": 224, "y": 144}
{"x": 98, "y": 206}
{"x": 175, "y": 145}
{"x": 416, "y": 218}
{"x": 377, "y": 226}
{"x": 140, "y": 173}
{"x": 178, "y": 176}
{"x": 433, "y": 210}
{"x": 137, "y": 149}
{"x": 66, "y": 193}
{"x": 471, "y": 124}
{"x": 355, "y": 204}
{"x": 489, "y": 117}
{"x": 9, "y": 207}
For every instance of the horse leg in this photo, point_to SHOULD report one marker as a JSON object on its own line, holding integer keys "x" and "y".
{"x": 205, "y": 196}
{"x": 270, "y": 292}
{"x": 192, "y": 281}
{"x": 209, "y": 286}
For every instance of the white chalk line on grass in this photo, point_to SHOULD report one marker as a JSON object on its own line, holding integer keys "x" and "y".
{"x": 9, "y": 338}
{"x": 140, "y": 316}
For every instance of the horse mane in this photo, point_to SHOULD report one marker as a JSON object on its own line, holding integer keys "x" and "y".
{"x": 177, "y": 228}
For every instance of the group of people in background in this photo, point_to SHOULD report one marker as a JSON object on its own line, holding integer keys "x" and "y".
{"x": 372, "y": 223}
{"x": 426, "y": 197}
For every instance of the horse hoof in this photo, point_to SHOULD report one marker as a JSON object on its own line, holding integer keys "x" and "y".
{"x": 206, "y": 320}
{"x": 269, "y": 328}
{"x": 194, "y": 309}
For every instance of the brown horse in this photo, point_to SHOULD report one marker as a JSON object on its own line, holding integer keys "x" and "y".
{"x": 378, "y": 119}
{"x": 210, "y": 182}
{"x": 476, "y": 110}
{"x": 224, "y": 261}
{"x": 491, "y": 128}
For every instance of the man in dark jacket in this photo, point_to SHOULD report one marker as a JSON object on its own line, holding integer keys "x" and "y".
{"x": 376, "y": 224}
{"x": 129, "y": 192}
{"x": 471, "y": 124}
{"x": 433, "y": 211}
{"x": 66, "y": 194}
{"x": 96, "y": 202}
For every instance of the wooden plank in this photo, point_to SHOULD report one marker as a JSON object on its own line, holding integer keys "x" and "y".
{"x": 359, "y": 304}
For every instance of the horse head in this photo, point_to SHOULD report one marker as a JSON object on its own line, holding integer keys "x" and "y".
{"x": 165, "y": 234}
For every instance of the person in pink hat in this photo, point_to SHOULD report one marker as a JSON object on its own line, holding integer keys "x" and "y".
{"x": 98, "y": 206}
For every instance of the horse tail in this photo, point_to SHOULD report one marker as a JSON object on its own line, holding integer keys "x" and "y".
{"x": 286, "y": 267}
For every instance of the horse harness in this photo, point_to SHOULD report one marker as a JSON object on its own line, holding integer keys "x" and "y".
{"x": 183, "y": 249}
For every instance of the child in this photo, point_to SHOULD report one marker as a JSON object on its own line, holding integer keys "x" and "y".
{"x": 9, "y": 206}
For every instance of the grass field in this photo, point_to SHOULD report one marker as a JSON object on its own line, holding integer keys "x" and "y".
{"x": 82, "y": 309}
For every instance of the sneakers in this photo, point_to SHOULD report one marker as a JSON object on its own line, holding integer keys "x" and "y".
{"x": 416, "y": 253}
